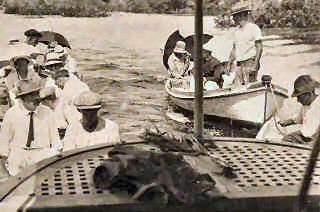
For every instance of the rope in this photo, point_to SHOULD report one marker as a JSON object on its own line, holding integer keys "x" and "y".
{"x": 281, "y": 131}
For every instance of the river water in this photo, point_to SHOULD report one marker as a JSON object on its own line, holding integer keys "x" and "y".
{"x": 120, "y": 58}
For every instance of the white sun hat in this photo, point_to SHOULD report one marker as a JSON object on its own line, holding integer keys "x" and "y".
{"x": 88, "y": 100}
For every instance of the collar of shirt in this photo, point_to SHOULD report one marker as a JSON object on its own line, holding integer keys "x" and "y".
{"x": 25, "y": 111}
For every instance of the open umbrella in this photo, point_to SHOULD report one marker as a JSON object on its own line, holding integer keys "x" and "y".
{"x": 190, "y": 42}
{"x": 49, "y": 36}
{"x": 169, "y": 46}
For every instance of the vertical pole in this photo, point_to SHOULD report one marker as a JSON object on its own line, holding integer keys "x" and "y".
{"x": 198, "y": 103}
{"x": 302, "y": 201}
{"x": 265, "y": 104}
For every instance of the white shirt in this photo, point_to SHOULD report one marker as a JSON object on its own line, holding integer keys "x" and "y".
{"x": 77, "y": 137}
{"x": 244, "y": 40}
{"x": 71, "y": 65}
{"x": 73, "y": 88}
{"x": 311, "y": 119}
{"x": 43, "y": 48}
{"x": 65, "y": 113}
{"x": 14, "y": 133}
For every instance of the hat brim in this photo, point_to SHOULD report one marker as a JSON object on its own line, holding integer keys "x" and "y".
{"x": 53, "y": 63}
{"x": 27, "y": 92}
{"x": 86, "y": 107}
{"x": 14, "y": 59}
{"x": 240, "y": 11}
{"x": 299, "y": 93}
{"x": 180, "y": 51}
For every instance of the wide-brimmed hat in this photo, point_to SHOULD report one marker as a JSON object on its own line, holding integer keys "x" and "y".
{"x": 53, "y": 58}
{"x": 304, "y": 84}
{"x": 240, "y": 7}
{"x": 88, "y": 100}
{"x": 24, "y": 87}
{"x": 32, "y": 33}
{"x": 14, "y": 60}
{"x": 180, "y": 47}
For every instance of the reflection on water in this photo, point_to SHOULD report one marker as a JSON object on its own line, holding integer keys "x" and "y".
{"x": 132, "y": 84}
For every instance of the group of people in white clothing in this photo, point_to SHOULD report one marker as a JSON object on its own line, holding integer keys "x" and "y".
{"x": 52, "y": 109}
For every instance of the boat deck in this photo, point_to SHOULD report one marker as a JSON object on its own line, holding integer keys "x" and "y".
{"x": 268, "y": 172}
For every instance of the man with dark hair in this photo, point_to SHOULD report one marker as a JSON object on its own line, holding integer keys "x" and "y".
{"x": 247, "y": 45}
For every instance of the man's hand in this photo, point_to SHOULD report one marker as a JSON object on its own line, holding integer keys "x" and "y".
{"x": 296, "y": 137}
{"x": 3, "y": 169}
{"x": 286, "y": 123}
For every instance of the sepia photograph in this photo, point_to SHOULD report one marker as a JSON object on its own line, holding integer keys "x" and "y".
{"x": 160, "y": 105}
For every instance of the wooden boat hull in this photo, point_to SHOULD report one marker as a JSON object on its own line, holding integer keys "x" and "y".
{"x": 242, "y": 104}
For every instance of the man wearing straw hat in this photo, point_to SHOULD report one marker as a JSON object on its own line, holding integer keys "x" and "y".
{"x": 22, "y": 69}
{"x": 28, "y": 134}
{"x": 304, "y": 90}
{"x": 179, "y": 61}
{"x": 247, "y": 46}
{"x": 302, "y": 128}
{"x": 90, "y": 129}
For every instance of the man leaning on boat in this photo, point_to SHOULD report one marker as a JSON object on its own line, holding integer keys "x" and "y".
{"x": 305, "y": 126}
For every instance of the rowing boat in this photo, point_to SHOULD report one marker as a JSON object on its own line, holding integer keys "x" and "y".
{"x": 253, "y": 103}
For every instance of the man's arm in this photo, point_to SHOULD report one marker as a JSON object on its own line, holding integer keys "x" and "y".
{"x": 55, "y": 141}
{"x": 296, "y": 137}
{"x": 259, "y": 50}
{"x": 287, "y": 123}
{"x": 6, "y": 135}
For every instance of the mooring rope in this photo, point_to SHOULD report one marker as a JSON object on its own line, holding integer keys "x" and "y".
{"x": 281, "y": 131}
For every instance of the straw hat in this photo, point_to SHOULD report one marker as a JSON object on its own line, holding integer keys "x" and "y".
{"x": 53, "y": 58}
{"x": 14, "y": 60}
{"x": 88, "y": 100}
{"x": 180, "y": 47}
{"x": 304, "y": 84}
{"x": 24, "y": 87}
{"x": 59, "y": 49}
{"x": 240, "y": 7}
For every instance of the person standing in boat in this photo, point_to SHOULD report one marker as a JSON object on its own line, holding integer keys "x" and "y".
{"x": 90, "y": 129}
{"x": 308, "y": 119}
{"x": 28, "y": 134}
{"x": 247, "y": 45}
{"x": 179, "y": 61}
